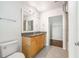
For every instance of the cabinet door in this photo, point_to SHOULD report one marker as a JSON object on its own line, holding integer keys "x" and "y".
{"x": 39, "y": 41}
{"x": 42, "y": 40}
{"x": 33, "y": 47}
{"x": 25, "y": 47}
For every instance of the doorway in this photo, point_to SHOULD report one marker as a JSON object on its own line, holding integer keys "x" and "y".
{"x": 56, "y": 30}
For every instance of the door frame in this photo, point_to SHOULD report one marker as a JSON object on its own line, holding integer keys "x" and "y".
{"x": 64, "y": 31}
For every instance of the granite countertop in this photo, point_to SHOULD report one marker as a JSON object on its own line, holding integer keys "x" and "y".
{"x": 32, "y": 34}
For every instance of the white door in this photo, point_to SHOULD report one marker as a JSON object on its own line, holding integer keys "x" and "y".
{"x": 73, "y": 29}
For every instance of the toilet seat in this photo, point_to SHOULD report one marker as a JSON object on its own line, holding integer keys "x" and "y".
{"x": 17, "y": 55}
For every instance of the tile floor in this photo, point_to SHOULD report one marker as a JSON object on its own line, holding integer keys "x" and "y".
{"x": 52, "y": 52}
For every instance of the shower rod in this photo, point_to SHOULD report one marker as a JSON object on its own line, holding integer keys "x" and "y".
{"x": 8, "y": 19}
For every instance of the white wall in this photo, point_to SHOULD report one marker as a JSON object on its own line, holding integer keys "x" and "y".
{"x": 44, "y": 22}
{"x": 73, "y": 30}
{"x": 10, "y": 30}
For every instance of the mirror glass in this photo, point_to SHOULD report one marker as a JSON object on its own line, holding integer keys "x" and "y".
{"x": 28, "y": 25}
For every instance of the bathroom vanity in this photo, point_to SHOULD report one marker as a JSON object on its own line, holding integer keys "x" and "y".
{"x": 32, "y": 43}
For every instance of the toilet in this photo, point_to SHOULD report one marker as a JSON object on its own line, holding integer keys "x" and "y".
{"x": 10, "y": 50}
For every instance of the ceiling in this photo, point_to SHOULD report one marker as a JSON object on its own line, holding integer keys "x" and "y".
{"x": 42, "y": 6}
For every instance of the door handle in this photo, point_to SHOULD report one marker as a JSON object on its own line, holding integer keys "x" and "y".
{"x": 77, "y": 44}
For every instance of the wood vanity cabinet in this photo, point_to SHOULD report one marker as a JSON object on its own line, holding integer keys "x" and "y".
{"x": 32, "y": 45}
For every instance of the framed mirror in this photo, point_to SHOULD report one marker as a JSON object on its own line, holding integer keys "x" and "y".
{"x": 27, "y": 22}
